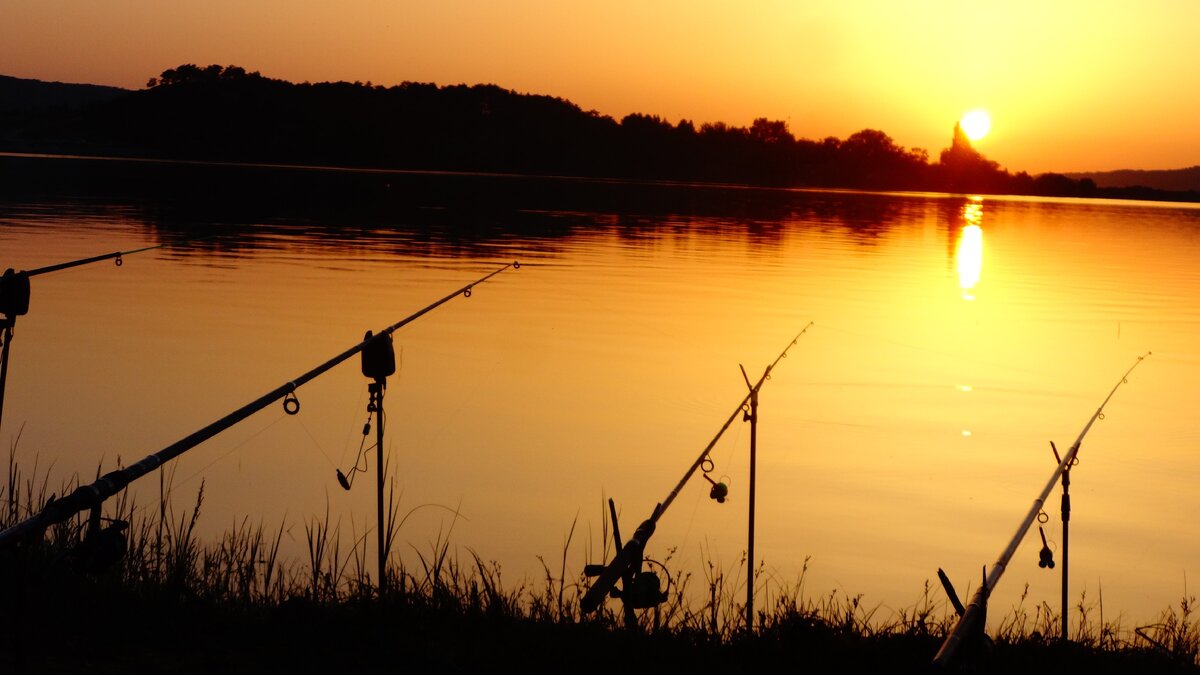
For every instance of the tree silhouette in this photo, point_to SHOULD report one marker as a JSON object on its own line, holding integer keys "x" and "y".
{"x": 227, "y": 113}
{"x": 770, "y": 132}
{"x": 963, "y": 168}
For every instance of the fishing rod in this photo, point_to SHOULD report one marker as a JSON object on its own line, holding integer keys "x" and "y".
{"x": 14, "y": 301}
{"x": 639, "y": 589}
{"x": 971, "y": 619}
{"x": 91, "y": 496}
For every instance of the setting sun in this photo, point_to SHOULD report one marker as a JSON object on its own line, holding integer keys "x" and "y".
{"x": 976, "y": 124}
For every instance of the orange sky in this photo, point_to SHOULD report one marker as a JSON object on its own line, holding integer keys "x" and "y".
{"x": 1070, "y": 85}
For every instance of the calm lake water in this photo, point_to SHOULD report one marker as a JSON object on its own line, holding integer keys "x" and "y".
{"x": 908, "y": 429}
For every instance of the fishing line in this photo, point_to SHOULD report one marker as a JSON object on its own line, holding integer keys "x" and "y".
{"x": 380, "y": 365}
{"x": 626, "y": 565}
{"x": 626, "y": 319}
{"x": 707, "y": 466}
{"x": 161, "y": 507}
{"x": 463, "y": 401}
{"x": 93, "y": 495}
{"x": 360, "y": 462}
{"x": 724, "y": 479}
{"x": 316, "y": 443}
{"x": 731, "y": 446}
{"x": 116, "y": 256}
{"x": 687, "y": 533}
{"x": 970, "y": 625}
{"x": 735, "y": 444}
{"x": 358, "y": 406}
{"x": 599, "y": 301}
{"x": 939, "y": 352}
{"x": 1167, "y": 356}
{"x": 232, "y": 450}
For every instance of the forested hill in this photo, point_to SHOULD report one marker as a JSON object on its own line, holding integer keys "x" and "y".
{"x": 1168, "y": 179}
{"x": 229, "y": 114}
{"x": 35, "y": 95}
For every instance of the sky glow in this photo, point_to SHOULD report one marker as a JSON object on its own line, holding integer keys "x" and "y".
{"x": 1071, "y": 86}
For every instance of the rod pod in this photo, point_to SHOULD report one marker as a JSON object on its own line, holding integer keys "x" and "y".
{"x": 972, "y": 620}
{"x": 629, "y": 557}
{"x": 87, "y": 496}
{"x": 14, "y": 302}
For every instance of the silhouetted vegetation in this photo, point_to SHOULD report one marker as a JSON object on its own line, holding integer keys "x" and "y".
{"x": 18, "y": 94}
{"x": 173, "y": 603}
{"x": 229, "y": 114}
{"x": 1174, "y": 180}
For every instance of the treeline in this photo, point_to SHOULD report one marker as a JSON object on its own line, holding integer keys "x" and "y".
{"x": 229, "y": 114}
{"x": 17, "y": 94}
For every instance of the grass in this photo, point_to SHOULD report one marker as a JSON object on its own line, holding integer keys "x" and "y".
{"x": 173, "y": 603}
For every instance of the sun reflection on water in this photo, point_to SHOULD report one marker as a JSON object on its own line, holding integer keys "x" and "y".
{"x": 968, "y": 254}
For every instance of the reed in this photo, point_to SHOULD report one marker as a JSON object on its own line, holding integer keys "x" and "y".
{"x": 445, "y": 608}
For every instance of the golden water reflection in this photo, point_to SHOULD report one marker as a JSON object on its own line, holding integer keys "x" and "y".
{"x": 968, "y": 253}
{"x": 905, "y": 433}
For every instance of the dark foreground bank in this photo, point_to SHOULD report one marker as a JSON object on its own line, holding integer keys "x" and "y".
{"x": 174, "y": 605}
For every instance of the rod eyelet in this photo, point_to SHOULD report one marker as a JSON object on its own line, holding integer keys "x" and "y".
{"x": 291, "y": 404}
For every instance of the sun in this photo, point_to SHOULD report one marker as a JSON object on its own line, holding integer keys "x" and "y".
{"x": 976, "y": 124}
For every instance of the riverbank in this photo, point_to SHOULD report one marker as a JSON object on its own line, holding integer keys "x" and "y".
{"x": 174, "y": 604}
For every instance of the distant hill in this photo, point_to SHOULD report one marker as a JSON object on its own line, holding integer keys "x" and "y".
{"x": 21, "y": 94}
{"x": 1178, "y": 180}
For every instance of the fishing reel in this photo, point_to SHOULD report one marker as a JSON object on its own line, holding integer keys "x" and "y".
{"x": 645, "y": 593}
{"x": 102, "y": 546}
{"x": 644, "y": 590}
{"x": 346, "y": 480}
